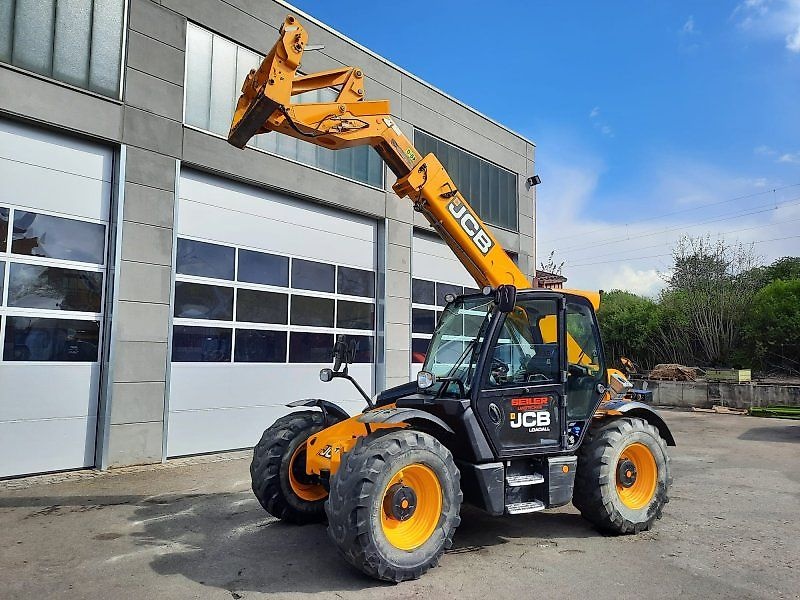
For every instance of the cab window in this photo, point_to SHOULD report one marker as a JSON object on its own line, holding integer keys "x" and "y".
{"x": 526, "y": 351}
{"x": 586, "y": 368}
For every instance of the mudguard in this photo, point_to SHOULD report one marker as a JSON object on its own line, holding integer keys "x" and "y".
{"x": 399, "y": 415}
{"x": 331, "y": 412}
{"x": 635, "y": 409}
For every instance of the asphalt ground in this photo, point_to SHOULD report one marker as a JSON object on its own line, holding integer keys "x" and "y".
{"x": 192, "y": 529}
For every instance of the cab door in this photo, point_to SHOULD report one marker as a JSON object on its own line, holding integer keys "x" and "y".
{"x": 522, "y": 396}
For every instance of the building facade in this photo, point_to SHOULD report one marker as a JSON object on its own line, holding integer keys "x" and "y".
{"x": 164, "y": 293}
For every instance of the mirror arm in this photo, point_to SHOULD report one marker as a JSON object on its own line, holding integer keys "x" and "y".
{"x": 359, "y": 388}
{"x": 448, "y": 380}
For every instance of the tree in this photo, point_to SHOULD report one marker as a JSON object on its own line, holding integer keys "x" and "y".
{"x": 772, "y": 330}
{"x": 786, "y": 268}
{"x": 708, "y": 294}
{"x": 551, "y": 266}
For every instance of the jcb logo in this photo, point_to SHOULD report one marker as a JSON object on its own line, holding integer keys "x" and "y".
{"x": 530, "y": 419}
{"x": 470, "y": 225}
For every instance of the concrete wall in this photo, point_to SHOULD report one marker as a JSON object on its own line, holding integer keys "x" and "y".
{"x": 701, "y": 394}
{"x": 147, "y": 122}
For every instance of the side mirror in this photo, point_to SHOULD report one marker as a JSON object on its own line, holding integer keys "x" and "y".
{"x": 326, "y": 375}
{"x": 505, "y": 297}
{"x": 344, "y": 352}
{"x": 425, "y": 380}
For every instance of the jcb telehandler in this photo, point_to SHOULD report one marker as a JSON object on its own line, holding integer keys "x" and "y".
{"x": 514, "y": 410}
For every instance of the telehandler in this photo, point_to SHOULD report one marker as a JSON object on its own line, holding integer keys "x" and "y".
{"x": 514, "y": 410}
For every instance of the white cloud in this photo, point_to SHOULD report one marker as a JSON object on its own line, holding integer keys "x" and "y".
{"x": 793, "y": 40}
{"x": 645, "y": 282}
{"x": 600, "y": 249}
{"x": 770, "y": 20}
{"x": 602, "y": 127}
{"x": 780, "y": 157}
{"x": 764, "y": 150}
{"x": 688, "y": 26}
{"x": 793, "y": 158}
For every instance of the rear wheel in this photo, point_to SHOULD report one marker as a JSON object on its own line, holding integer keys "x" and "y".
{"x": 278, "y": 470}
{"x": 623, "y": 476}
{"x": 394, "y": 504}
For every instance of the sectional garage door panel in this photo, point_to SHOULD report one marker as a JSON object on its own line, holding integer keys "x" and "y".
{"x": 238, "y": 215}
{"x": 434, "y": 261}
{"x": 54, "y": 205}
{"x": 264, "y": 283}
{"x": 47, "y": 445}
{"x": 229, "y": 407}
{"x": 45, "y": 171}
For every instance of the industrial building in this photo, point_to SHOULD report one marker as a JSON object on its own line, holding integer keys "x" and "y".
{"x": 165, "y": 294}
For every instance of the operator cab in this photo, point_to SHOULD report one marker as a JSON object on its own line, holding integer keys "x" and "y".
{"x": 533, "y": 372}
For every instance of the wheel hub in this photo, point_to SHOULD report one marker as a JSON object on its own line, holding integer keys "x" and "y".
{"x": 626, "y": 472}
{"x": 400, "y": 502}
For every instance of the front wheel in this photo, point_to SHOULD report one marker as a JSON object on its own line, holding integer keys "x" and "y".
{"x": 278, "y": 470}
{"x": 623, "y": 476}
{"x": 394, "y": 504}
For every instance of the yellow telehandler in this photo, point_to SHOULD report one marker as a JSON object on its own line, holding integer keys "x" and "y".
{"x": 514, "y": 410}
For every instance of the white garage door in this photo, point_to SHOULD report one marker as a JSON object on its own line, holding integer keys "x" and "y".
{"x": 436, "y": 272}
{"x": 54, "y": 204}
{"x": 263, "y": 284}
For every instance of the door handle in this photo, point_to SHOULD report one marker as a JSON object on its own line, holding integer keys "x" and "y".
{"x": 495, "y": 414}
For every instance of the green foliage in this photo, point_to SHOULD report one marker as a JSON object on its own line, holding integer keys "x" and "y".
{"x": 628, "y": 324}
{"x": 786, "y": 268}
{"x": 772, "y": 329}
{"x": 717, "y": 308}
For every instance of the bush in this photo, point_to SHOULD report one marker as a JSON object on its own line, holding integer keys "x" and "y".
{"x": 772, "y": 328}
{"x": 628, "y": 324}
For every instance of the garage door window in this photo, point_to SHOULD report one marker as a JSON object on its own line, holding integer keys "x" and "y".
{"x": 205, "y": 260}
{"x": 201, "y": 344}
{"x": 264, "y": 313}
{"x": 263, "y": 268}
{"x": 51, "y": 286}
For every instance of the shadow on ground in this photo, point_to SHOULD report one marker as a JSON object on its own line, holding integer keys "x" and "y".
{"x": 787, "y": 433}
{"x": 228, "y": 542}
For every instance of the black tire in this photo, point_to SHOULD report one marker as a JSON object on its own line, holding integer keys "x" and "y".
{"x": 596, "y": 494}
{"x": 269, "y": 471}
{"x": 355, "y": 504}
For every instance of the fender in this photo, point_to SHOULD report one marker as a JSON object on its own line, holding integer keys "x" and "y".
{"x": 615, "y": 408}
{"x": 331, "y": 413}
{"x": 400, "y": 415}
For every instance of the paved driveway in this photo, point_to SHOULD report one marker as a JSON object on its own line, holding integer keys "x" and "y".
{"x": 191, "y": 529}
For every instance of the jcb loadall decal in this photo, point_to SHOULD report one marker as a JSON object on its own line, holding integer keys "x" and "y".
{"x": 470, "y": 225}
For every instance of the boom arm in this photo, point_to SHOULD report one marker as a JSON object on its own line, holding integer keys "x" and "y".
{"x": 266, "y": 105}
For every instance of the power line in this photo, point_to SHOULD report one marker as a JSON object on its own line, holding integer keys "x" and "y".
{"x": 685, "y": 210}
{"x": 605, "y": 262}
{"x": 618, "y": 240}
{"x": 720, "y": 233}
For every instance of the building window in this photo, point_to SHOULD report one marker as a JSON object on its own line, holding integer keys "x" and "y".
{"x": 489, "y": 189}
{"x": 78, "y": 42}
{"x": 51, "y": 286}
{"x": 258, "y": 315}
{"x": 215, "y": 70}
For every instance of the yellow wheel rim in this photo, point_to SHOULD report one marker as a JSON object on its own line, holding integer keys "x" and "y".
{"x": 310, "y": 492}
{"x": 411, "y": 506}
{"x": 637, "y": 475}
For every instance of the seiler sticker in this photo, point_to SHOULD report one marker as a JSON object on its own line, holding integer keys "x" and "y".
{"x": 529, "y": 414}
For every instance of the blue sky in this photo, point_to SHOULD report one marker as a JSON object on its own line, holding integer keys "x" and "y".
{"x": 650, "y": 118}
